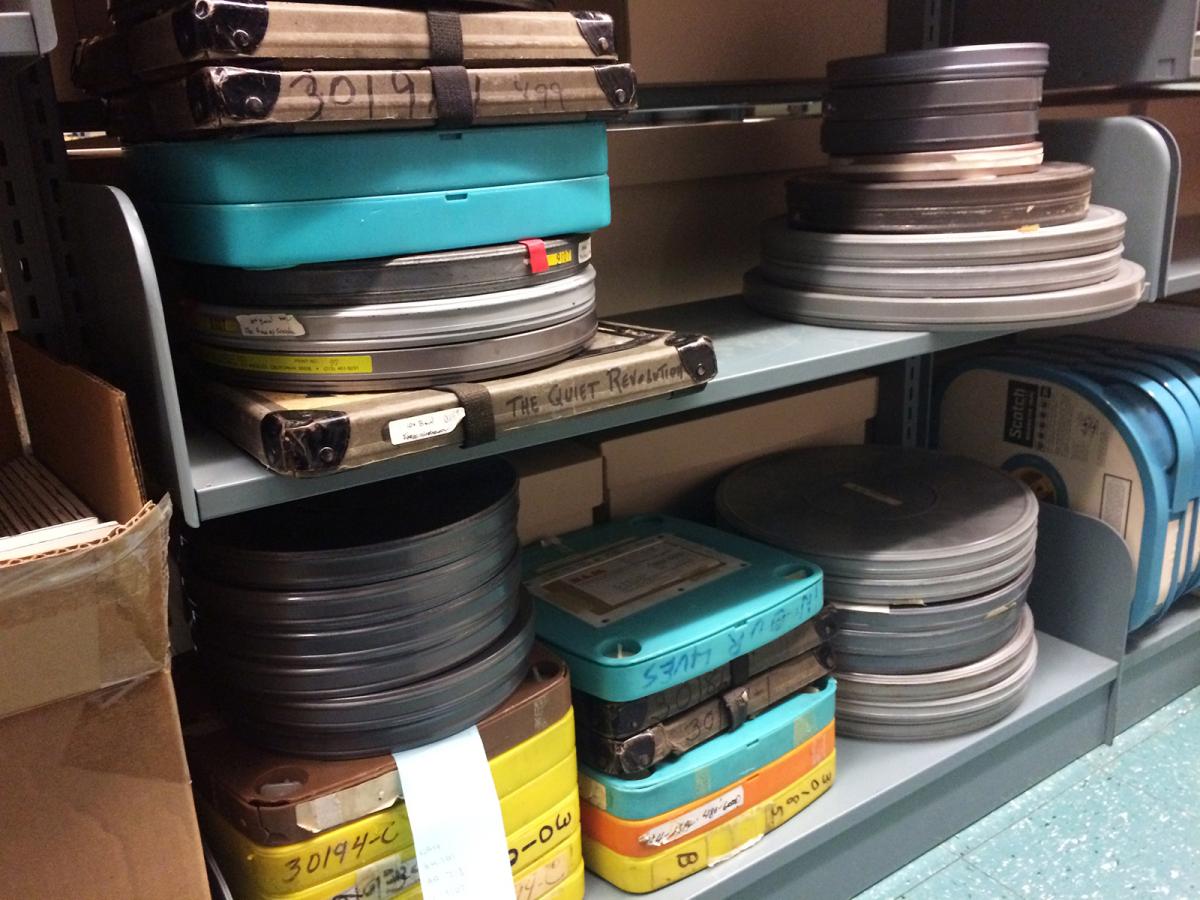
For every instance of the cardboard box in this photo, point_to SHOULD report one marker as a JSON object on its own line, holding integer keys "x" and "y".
{"x": 676, "y": 467}
{"x": 561, "y": 486}
{"x": 95, "y": 799}
{"x": 85, "y": 617}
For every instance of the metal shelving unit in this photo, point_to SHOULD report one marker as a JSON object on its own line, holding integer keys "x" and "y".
{"x": 27, "y": 32}
{"x": 35, "y": 239}
{"x": 891, "y": 801}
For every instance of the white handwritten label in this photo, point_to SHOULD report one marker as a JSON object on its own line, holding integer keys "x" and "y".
{"x": 270, "y": 325}
{"x": 681, "y": 826}
{"x": 585, "y": 250}
{"x": 458, "y": 833}
{"x": 429, "y": 425}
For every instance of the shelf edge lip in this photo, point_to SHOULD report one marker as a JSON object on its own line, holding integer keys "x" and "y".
{"x": 216, "y": 499}
{"x": 1152, "y": 645}
{"x": 1184, "y": 283}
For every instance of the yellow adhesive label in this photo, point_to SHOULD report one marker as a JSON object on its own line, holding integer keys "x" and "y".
{"x": 547, "y": 875}
{"x": 214, "y": 324}
{"x": 285, "y": 365}
{"x": 593, "y": 792}
{"x": 560, "y": 258}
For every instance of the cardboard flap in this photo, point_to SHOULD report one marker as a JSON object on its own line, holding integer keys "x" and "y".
{"x": 79, "y": 427}
{"x": 95, "y": 799}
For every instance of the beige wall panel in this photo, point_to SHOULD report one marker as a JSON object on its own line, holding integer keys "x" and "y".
{"x": 687, "y": 206}
{"x": 686, "y": 41}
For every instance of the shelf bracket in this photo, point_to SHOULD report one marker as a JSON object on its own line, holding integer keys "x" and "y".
{"x": 1137, "y": 167}
{"x": 1082, "y": 588}
{"x": 127, "y": 328}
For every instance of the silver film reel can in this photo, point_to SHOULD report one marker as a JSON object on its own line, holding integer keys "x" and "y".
{"x": 1101, "y": 229}
{"x": 869, "y": 512}
{"x": 423, "y": 276}
{"x": 1060, "y": 307}
{"x": 385, "y": 326}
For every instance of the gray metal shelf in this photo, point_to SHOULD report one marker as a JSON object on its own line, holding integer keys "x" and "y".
{"x": 1161, "y": 662}
{"x": 754, "y": 354}
{"x": 1183, "y": 272}
{"x": 1182, "y": 623}
{"x": 892, "y": 801}
{"x": 209, "y": 477}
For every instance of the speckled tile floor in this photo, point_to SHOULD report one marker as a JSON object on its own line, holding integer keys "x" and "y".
{"x": 1123, "y": 821}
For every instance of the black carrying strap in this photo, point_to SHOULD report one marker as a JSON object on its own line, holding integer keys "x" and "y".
{"x": 479, "y": 423}
{"x": 737, "y": 704}
{"x": 739, "y": 669}
{"x": 452, "y": 93}
{"x": 445, "y": 38}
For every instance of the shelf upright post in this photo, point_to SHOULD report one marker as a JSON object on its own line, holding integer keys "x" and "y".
{"x": 919, "y": 24}
{"x": 905, "y": 402}
{"x": 34, "y": 229}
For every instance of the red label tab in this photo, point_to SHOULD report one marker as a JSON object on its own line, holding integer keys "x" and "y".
{"x": 537, "y": 254}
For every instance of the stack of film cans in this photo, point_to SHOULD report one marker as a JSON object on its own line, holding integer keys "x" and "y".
{"x": 927, "y": 559}
{"x": 344, "y": 243}
{"x": 700, "y": 665}
{"x": 338, "y": 630}
{"x": 1106, "y": 428}
{"x": 936, "y": 211}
